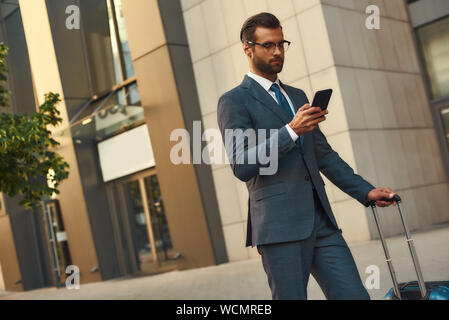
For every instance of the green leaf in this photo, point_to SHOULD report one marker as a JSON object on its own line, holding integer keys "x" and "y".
{"x": 24, "y": 142}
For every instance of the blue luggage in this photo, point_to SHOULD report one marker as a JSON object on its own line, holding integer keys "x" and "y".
{"x": 414, "y": 290}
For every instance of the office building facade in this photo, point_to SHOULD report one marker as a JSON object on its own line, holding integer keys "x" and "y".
{"x": 132, "y": 72}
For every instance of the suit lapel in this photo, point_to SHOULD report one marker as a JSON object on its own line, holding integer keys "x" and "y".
{"x": 260, "y": 94}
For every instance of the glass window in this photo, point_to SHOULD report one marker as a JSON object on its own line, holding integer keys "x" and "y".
{"x": 434, "y": 40}
{"x": 164, "y": 247}
{"x": 149, "y": 227}
{"x": 118, "y": 109}
{"x": 98, "y": 39}
{"x": 114, "y": 45}
{"x": 445, "y": 118}
{"x": 115, "y": 13}
{"x": 133, "y": 95}
{"x": 119, "y": 42}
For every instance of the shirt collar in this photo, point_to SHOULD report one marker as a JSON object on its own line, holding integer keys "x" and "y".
{"x": 265, "y": 83}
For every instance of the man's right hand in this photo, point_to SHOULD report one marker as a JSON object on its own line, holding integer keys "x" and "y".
{"x": 307, "y": 118}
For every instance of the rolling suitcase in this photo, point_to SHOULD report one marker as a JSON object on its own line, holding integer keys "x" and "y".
{"x": 414, "y": 290}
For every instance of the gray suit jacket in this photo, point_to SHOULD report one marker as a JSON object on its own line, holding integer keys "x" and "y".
{"x": 281, "y": 206}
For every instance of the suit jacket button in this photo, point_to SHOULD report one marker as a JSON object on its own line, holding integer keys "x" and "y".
{"x": 307, "y": 177}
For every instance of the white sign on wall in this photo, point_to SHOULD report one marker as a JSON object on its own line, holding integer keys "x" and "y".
{"x": 126, "y": 153}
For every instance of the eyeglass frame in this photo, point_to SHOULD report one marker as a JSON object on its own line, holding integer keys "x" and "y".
{"x": 269, "y": 42}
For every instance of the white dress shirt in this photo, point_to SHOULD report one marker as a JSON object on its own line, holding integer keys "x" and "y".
{"x": 266, "y": 84}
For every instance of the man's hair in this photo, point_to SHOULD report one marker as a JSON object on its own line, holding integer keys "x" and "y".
{"x": 263, "y": 19}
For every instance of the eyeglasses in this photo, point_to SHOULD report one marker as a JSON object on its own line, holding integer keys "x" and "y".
{"x": 269, "y": 46}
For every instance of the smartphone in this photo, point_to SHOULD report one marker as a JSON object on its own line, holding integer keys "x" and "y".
{"x": 322, "y": 99}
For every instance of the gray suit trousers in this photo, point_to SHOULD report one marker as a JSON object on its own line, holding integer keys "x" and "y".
{"x": 325, "y": 254}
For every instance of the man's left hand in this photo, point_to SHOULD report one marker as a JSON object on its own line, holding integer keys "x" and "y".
{"x": 381, "y": 193}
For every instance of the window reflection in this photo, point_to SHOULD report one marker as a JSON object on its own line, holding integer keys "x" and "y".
{"x": 158, "y": 219}
{"x": 445, "y": 119}
{"x": 434, "y": 39}
{"x": 98, "y": 39}
{"x": 133, "y": 95}
{"x": 123, "y": 37}
{"x": 119, "y": 40}
{"x": 114, "y": 45}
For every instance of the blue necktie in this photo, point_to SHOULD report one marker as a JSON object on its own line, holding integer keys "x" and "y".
{"x": 283, "y": 103}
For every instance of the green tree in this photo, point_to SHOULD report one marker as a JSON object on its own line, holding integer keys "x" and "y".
{"x": 26, "y": 158}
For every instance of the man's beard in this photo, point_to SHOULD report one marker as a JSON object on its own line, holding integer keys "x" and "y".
{"x": 268, "y": 68}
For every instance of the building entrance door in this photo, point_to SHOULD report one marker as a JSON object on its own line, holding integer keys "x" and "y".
{"x": 148, "y": 228}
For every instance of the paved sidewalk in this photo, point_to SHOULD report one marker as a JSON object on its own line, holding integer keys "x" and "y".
{"x": 246, "y": 279}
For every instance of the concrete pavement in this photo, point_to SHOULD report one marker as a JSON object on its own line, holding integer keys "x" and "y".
{"x": 245, "y": 280}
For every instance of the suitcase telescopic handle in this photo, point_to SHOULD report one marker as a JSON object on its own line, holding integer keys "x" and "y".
{"x": 395, "y": 198}
{"x": 421, "y": 283}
